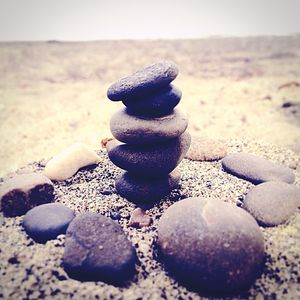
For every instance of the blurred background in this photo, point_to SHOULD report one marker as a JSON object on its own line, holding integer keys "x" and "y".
{"x": 239, "y": 65}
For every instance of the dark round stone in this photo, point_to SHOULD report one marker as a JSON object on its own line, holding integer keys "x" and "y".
{"x": 47, "y": 221}
{"x": 22, "y": 192}
{"x": 211, "y": 245}
{"x": 141, "y": 189}
{"x": 133, "y": 129}
{"x": 149, "y": 160}
{"x": 143, "y": 81}
{"x": 272, "y": 203}
{"x": 256, "y": 169}
{"x": 97, "y": 249}
{"x": 159, "y": 103}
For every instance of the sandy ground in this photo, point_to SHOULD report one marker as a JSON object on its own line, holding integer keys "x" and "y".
{"x": 53, "y": 94}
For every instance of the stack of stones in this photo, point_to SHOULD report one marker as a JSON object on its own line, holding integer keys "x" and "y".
{"x": 150, "y": 133}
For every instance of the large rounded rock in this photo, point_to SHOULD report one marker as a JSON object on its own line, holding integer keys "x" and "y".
{"x": 211, "y": 245}
{"x": 47, "y": 221}
{"x": 97, "y": 249}
{"x": 159, "y": 103}
{"x": 149, "y": 160}
{"x": 132, "y": 129}
{"x": 144, "y": 190}
{"x": 256, "y": 169}
{"x": 143, "y": 81}
{"x": 23, "y": 192}
{"x": 272, "y": 203}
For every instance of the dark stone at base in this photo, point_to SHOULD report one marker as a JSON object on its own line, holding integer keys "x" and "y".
{"x": 141, "y": 190}
{"x": 272, "y": 203}
{"x": 160, "y": 103}
{"x": 98, "y": 249}
{"x": 143, "y": 81}
{"x": 211, "y": 245}
{"x": 23, "y": 192}
{"x": 133, "y": 129}
{"x": 149, "y": 160}
{"x": 45, "y": 222}
{"x": 256, "y": 169}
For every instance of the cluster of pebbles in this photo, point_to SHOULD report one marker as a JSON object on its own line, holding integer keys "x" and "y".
{"x": 207, "y": 244}
{"x": 150, "y": 133}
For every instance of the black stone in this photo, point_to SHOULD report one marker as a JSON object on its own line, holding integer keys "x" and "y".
{"x": 98, "y": 250}
{"x": 143, "y": 81}
{"x": 22, "y": 192}
{"x": 47, "y": 221}
{"x": 149, "y": 160}
{"x": 160, "y": 103}
{"x": 211, "y": 245}
{"x": 272, "y": 203}
{"x": 133, "y": 129}
{"x": 140, "y": 189}
{"x": 256, "y": 169}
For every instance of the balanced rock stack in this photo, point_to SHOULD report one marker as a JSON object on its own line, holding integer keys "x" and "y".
{"x": 150, "y": 132}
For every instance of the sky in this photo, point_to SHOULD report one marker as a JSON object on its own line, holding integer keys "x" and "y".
{"x": 83, "y": 20}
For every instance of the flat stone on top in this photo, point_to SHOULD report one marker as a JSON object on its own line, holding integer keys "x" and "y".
{"x": 256, "y": 169}
{"x": 143, "y": 81}
{"x": 272, "y": 203}
{"x": 132, "y": 129}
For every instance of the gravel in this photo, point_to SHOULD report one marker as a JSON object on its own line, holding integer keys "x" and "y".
{"x": 32, "y": 270}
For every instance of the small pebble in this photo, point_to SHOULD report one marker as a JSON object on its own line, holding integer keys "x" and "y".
{"x": 205, "y": 149}
{"x": 22, "y": 192}
{"x": 272, "y": 203}
{"x": 47, "y": 221}
{"x": 143, "y": 81}
{"x": 146, "y": 190}
{"x": 139, "y": 218}
{"x": 97, "y": 249}
{"x": 149, "y": 160}
{"x": 256, "y": 169}
{"x": 65, "y": 164}
{"x": 133, "y": 129}
{"x": 159, "y": 103}
{"x": 211, "y": 245}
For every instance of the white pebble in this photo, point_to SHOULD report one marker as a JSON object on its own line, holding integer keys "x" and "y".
{"x": 66, "y": 163}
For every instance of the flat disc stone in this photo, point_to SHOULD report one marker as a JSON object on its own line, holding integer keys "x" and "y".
{"x": 256, "y": 169}
{"x": 144, "y": 190}
{"x": 132, "y": 129}
{"x": 143, "y": 81}
{"x": 159, "y": 103}
{"x": 272, "y": 203}
{"x": 211, "y": 245}
{"x": 98, "y": 249}
{"x": 45, "y": 222}
{"x": 149, "y": 160}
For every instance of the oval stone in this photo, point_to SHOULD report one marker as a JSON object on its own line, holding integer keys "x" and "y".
{"x": 149, "y": 160}
{"x": 22, "y": 192}
{"x": 98, "y": 249}
{"x": 143, "y": 81}
{"x": 211, "y": 245}
{"x": 272, "y": 203}
{"x": 256, "y": 169}
{"x": 47, "y": 221}
{"x": 133, "y": 129}
{"x": 160, "y": 103}
{"x": 144, "y": 190}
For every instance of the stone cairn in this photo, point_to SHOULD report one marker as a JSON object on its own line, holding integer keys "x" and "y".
{"x": 150, "y": 133}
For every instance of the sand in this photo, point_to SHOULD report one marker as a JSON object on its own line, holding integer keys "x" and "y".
{"x": 53, "y": 94}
